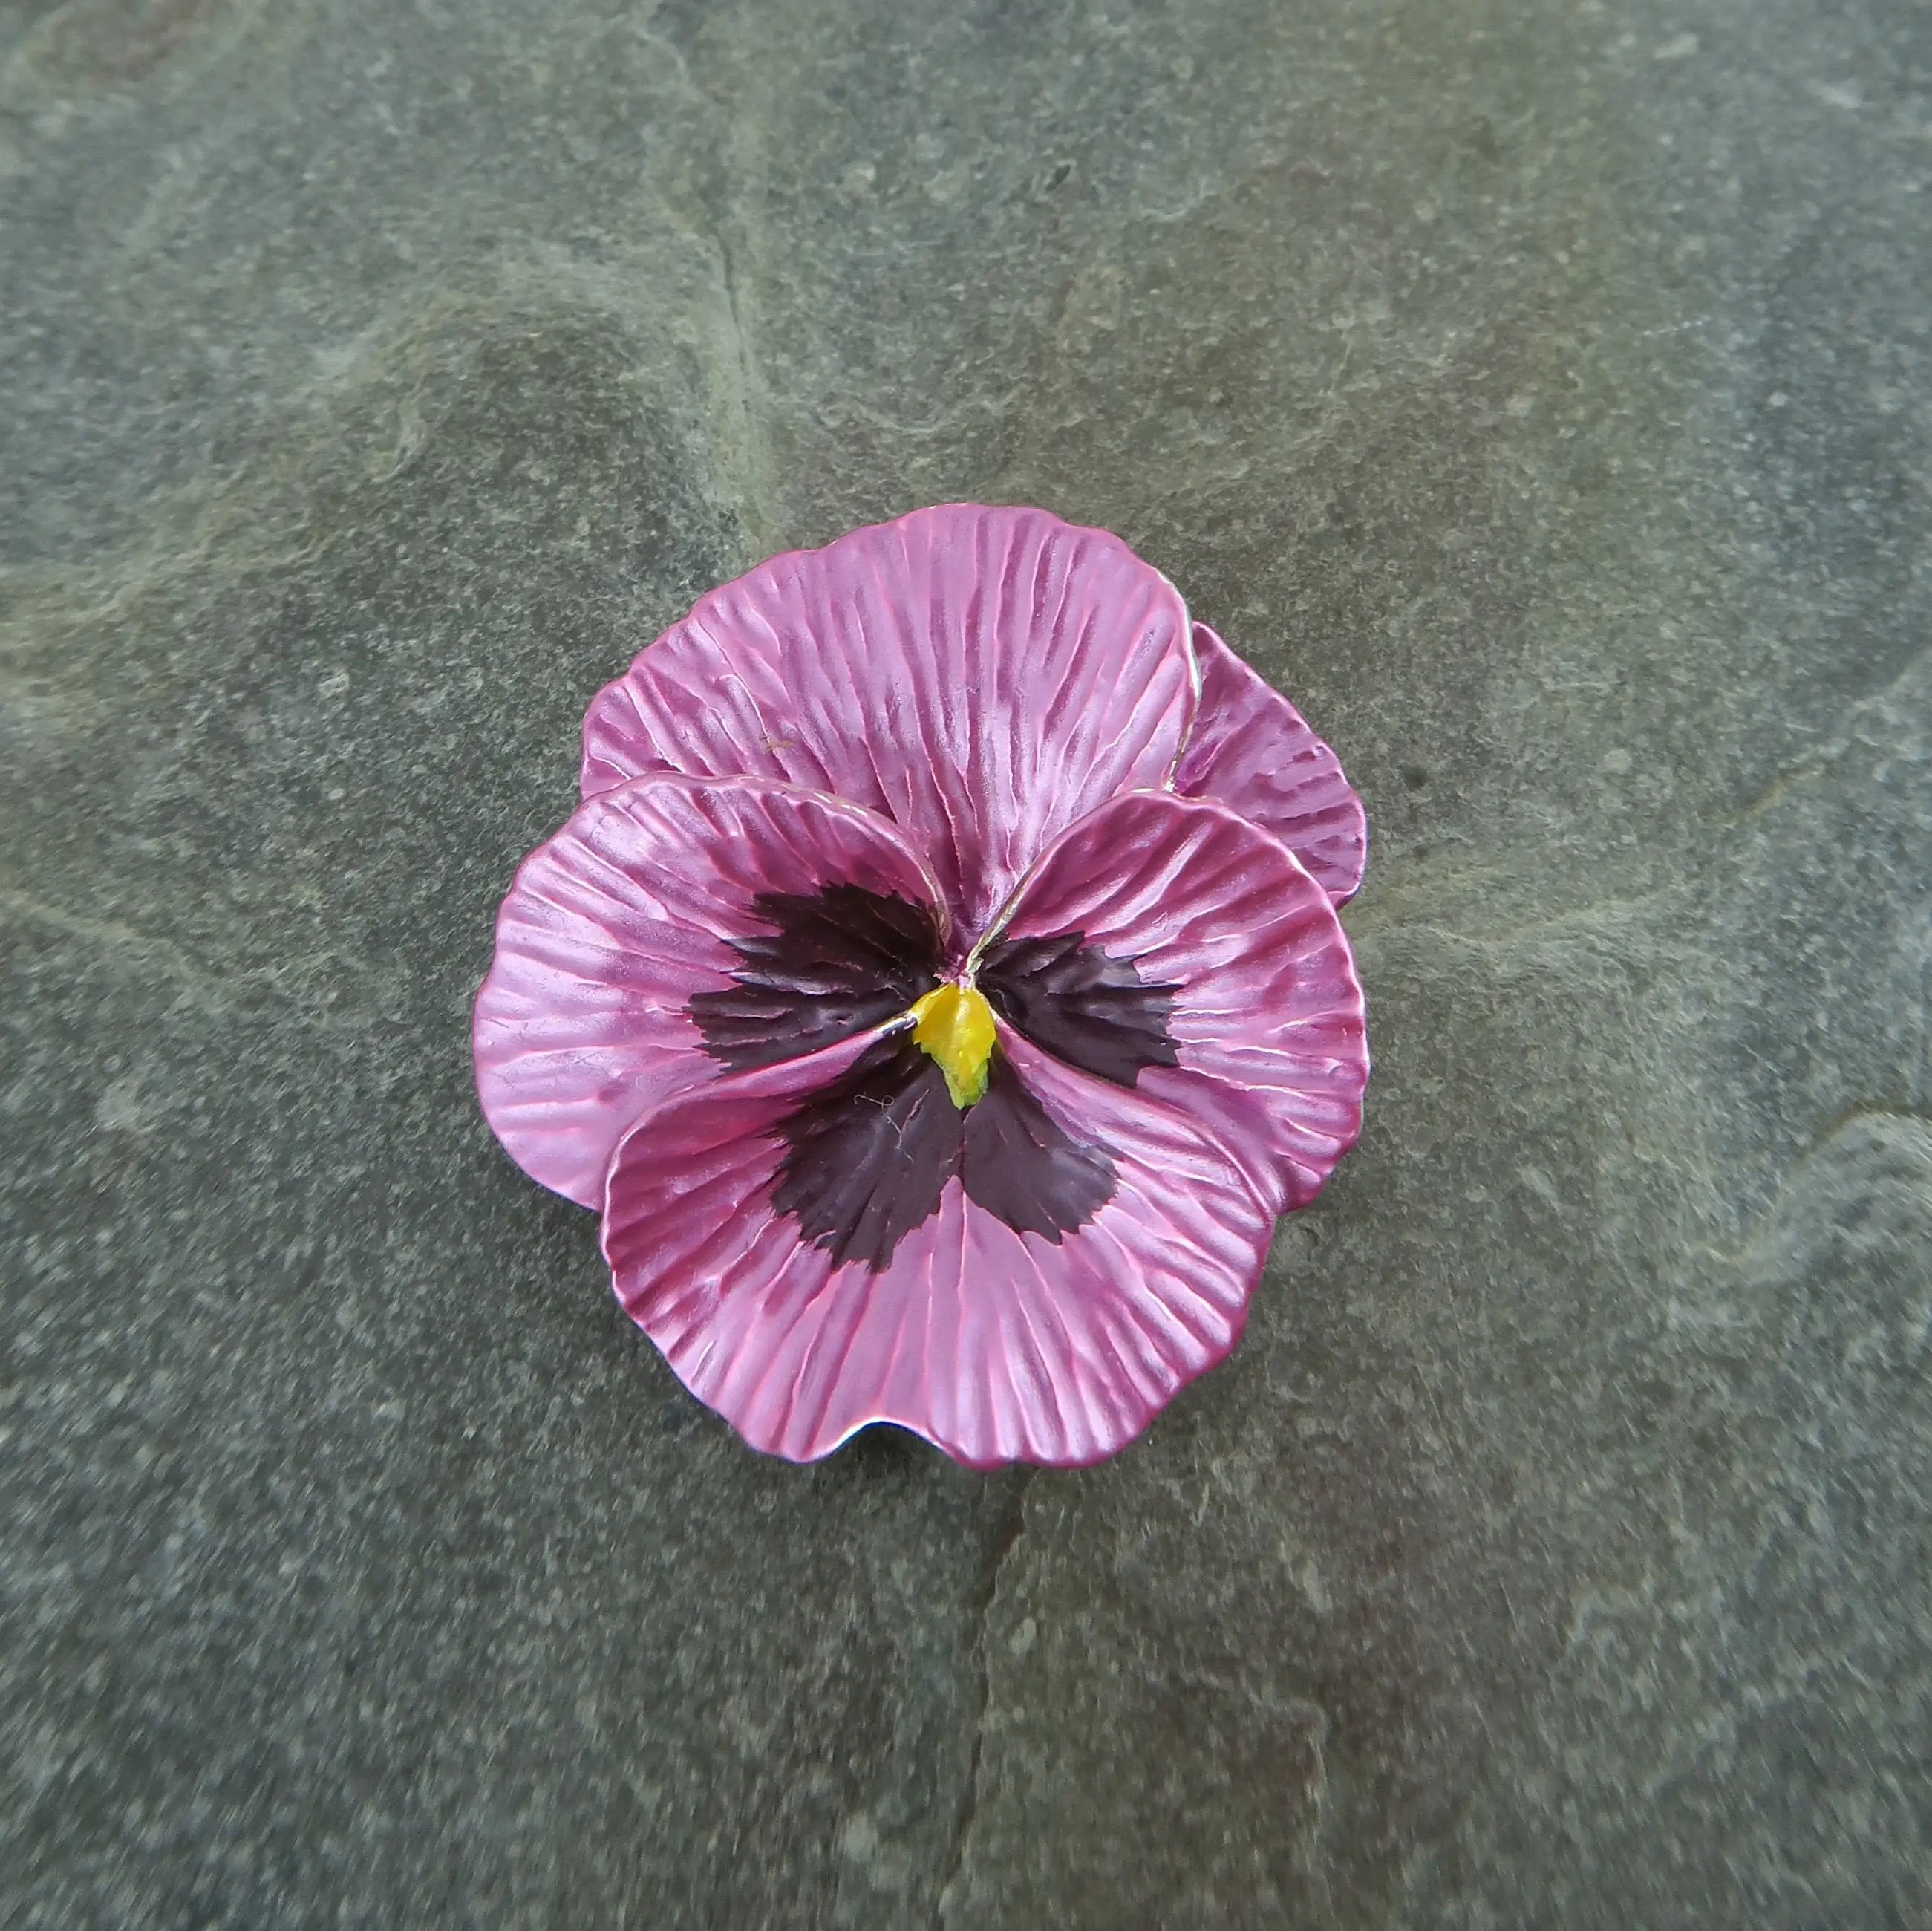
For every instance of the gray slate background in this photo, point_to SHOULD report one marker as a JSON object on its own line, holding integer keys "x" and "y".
{"x": 1539, "y": 392}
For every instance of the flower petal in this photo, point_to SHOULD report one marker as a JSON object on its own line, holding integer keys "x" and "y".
{"x": 998, "y": 1345}
{"x": 1252, "y": 750}
{"x": 633, "y": 955}
{"x": 1258, "y": 999}
{"x": 981, "y": 677}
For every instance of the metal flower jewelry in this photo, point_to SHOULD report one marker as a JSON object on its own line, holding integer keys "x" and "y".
{"x": 938, "y": 990}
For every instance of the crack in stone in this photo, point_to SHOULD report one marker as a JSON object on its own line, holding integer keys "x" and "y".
{"x": 1590, "y": 919}
{"x": 220, "y": 993}
{"x": 162, "y": 957}
{"x": 1012, "y": 1526}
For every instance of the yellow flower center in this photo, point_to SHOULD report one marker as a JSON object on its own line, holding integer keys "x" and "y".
{"x": 955, "y": 1025}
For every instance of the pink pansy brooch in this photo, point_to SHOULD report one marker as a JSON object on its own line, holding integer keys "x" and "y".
{"x": 938, "y": 991}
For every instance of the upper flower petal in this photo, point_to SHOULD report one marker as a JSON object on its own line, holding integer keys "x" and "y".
{"x": 1252, "y": 750}
{"x": 1243, "y": 1009}
{"x": 1038, "y": 1341}
{"x": 676, "y": 923}
{"x": 981, "y": 677}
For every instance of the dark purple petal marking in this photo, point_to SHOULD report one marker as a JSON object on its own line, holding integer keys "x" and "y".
{"x": 1020, "y": 1166}
{"x": 835, "y": 963}
{"x": 1081, "y": 1004}
{"x": 868, "y": 1158}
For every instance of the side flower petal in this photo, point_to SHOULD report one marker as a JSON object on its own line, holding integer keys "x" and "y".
{"x": 1251, "y": 750}
{"x": 999, "y": 1342}
{"x": 677, "y": 927}
{"x": 981, "y": 677}
{"x": 1212, "y": 973}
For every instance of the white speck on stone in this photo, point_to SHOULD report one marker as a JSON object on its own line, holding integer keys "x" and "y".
{"x": 1837, "y": 94}
{"x": 1679, "y": 46}
{"x": 1315, "y": 1589}
{"x": 120, "y": 1109}
{"x": 1539, "y": 1183}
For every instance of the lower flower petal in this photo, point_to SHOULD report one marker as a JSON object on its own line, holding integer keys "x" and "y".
{"x": 1257, "y": 1004}
{"x": 1251, "y": 750}
{"x": 998, "y": 1344}
{"x": 674, "y": 924}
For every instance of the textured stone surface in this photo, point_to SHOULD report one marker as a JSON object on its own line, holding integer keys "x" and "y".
{"x": 1538, "y": 391}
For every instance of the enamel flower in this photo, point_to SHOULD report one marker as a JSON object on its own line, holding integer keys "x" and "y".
{"x": 938, "y": 990}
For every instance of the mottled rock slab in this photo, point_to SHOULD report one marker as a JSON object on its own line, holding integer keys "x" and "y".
{"x": 1541, "y": 392}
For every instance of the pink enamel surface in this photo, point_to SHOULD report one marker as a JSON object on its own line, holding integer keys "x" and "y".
{"x": 995, "y": 1346}
{"x": 1268, "y": 1016}
{"x": 614, "y": 922}
{"x": 1252, "y": 750}
{"x": 981, "y": 677}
